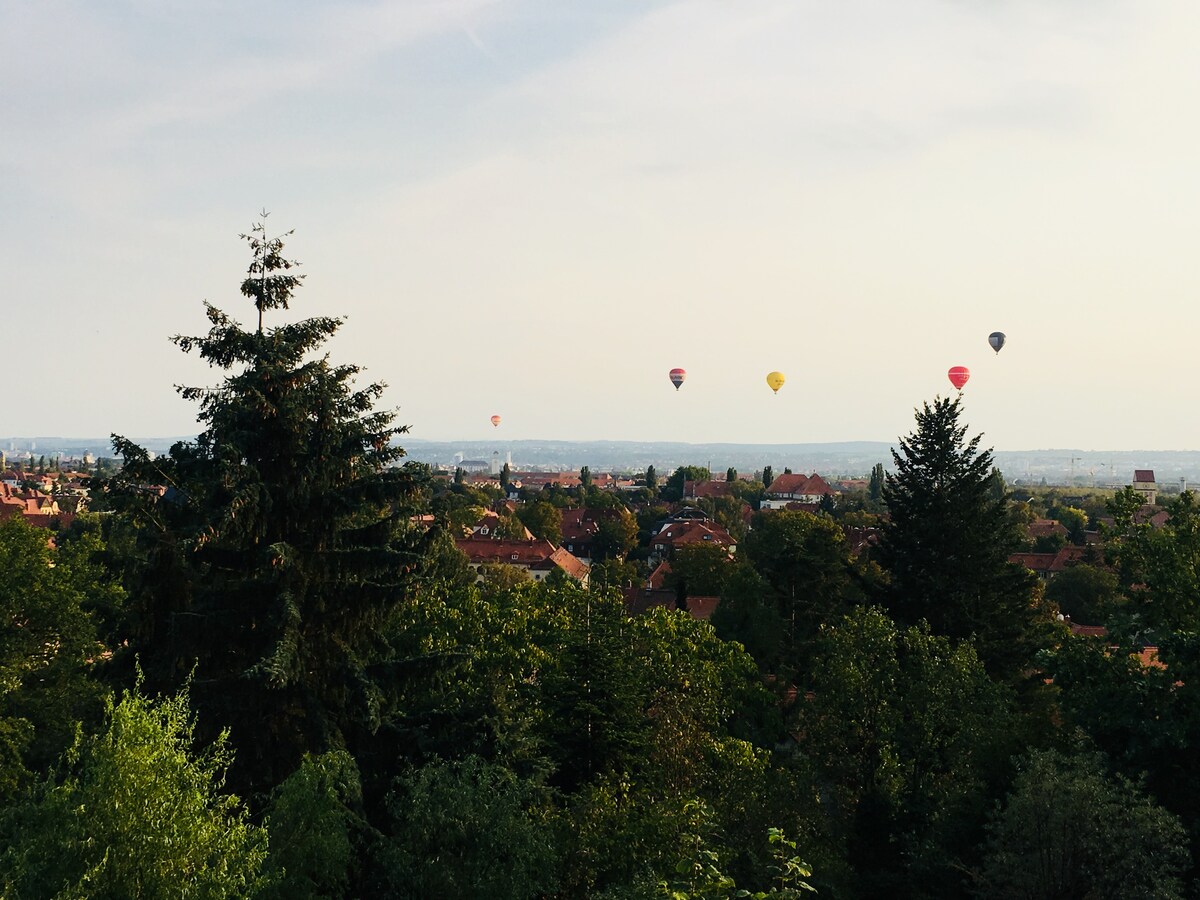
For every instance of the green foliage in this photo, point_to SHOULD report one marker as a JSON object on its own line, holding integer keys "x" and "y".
{"x": 651, "y": 480}
{"x": 510, "y": 528}
{"x": 1069, "y": 830}
{"x": 947, "y": 541}
{"x": 312, "y": 822}
{"x": 727, "y": 511}
{"x": 281, "y": 544}
{"x": 905, "y": 729}
{"x": 700, "y": 570}
{"x": 876, "y": 483}
{"x": 47, "y": 641}
{"x": 698, "y": 873}
{"x": 768, "y": 475}
{"x": 469, "y": 829}
{"x": 1159, "y": 568}
{"x": 1087, "y": 594}
{"x": 672, "y": 489}
{"x": 1145, "y": 717}
{"x": 805, "y": 565}
{"x": 1073, "y": 519}
{"x": 136, "y": 813}
{"x": 543, "y": 519}
{"x": 502, "y": 576}
{"x": 616, "y": 534}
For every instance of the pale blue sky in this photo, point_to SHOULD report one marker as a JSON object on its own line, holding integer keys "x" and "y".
{"x": 538, "y": 208}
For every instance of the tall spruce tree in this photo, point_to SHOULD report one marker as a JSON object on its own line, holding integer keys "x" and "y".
{"x": 280, "y": 544}
{"x": 947, "y": 541}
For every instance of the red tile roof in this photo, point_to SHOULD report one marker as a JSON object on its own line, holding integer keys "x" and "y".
{"x": 799, "y": 484}
{"x": 658, "y": 578}
{"x": 640, "y": 601}
{"x": 525, "y": 553}
{"x": 1046, "y": 528}
{"x": 534, "y": 554}
{"x": 694, "y": 490}
{"x": 1142, "y": 476}
{"x": 679, "y": 534}
{"x": 568, "y": 562}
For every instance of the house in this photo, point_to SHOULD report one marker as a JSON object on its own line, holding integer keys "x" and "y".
{"x": 674, "y": 535}
{"x": 1043, "y": 528}
{"x": 802, "y": 489}
{"x": 579, "y": 530}
{"x": 1143, "y": 483}
{"x": 539, "y": 480}
{"x": 536, "y": 557}
{"x": 1047, "y": 565}
{"x": 1147, "y": 655}
{"x": 696, "y": 490}
{"x": 640, "y": 600}
{"x": 488, "y": 525}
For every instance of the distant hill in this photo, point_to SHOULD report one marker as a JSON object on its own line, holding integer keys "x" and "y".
{"x": 834, "y": 458}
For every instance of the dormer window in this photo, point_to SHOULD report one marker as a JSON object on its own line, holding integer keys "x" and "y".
{"x": 514, "y": 556}
{"x": 483, "y": 530}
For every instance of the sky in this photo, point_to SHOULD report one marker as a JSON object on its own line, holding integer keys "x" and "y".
{"x": 537, "y": 209}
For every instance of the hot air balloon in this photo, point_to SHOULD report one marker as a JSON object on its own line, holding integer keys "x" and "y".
{"x": 677, "y": 377}
{"x": 958, "y": 376}
{"x": 996, "y": 339}
{"x": 495, "y": 421}
{"x": 775, "y": 381}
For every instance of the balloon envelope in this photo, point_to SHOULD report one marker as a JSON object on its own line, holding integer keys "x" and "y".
{"x": 958, "y": 376}
{"x": 496, "y": 421}
{"x": 677, "y": 377}
{"x": 996, "y": 339}
{"x": 775, "y": 381}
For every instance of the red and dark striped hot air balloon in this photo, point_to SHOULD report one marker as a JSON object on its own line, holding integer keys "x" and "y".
{"x": 677, "y": 377}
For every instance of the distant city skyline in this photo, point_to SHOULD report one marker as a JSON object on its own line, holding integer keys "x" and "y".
{"x": 537, "y": 210}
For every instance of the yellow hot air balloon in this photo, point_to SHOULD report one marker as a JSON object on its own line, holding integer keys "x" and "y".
{"x": 775, "y": 381}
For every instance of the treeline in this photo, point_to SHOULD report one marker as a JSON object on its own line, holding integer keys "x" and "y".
{"x": 256, "y": 670}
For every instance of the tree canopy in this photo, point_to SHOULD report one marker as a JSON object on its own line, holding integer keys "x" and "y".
{"x": 947, "y": 541}
{"x": 281, "y": 542}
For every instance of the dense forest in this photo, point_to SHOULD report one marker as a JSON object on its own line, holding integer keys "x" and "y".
{"x": 259, "y": 666}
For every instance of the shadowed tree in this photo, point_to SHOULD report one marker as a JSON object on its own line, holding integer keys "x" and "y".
{"x": 947, "y": 541}
{"x": 280, "y": 541}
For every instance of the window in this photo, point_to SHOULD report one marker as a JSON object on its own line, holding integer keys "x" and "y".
{"x": 514, "y": 556}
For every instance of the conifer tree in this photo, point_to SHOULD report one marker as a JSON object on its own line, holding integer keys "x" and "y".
{"x": 280, "y": 543}
{"x": 947, "y": 541}
{"x": 875, "y": 485}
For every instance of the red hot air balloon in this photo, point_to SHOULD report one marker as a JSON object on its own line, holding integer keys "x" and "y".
{"x": 958, "y": 376}
{"x": 677, "y": 376}
{"x": 495, "y": 421}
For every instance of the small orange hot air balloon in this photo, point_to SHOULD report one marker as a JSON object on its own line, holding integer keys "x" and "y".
{"x": 496, "y": 421}
{"x": 958, "y": 376}
{"x": 677, "y": 376}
